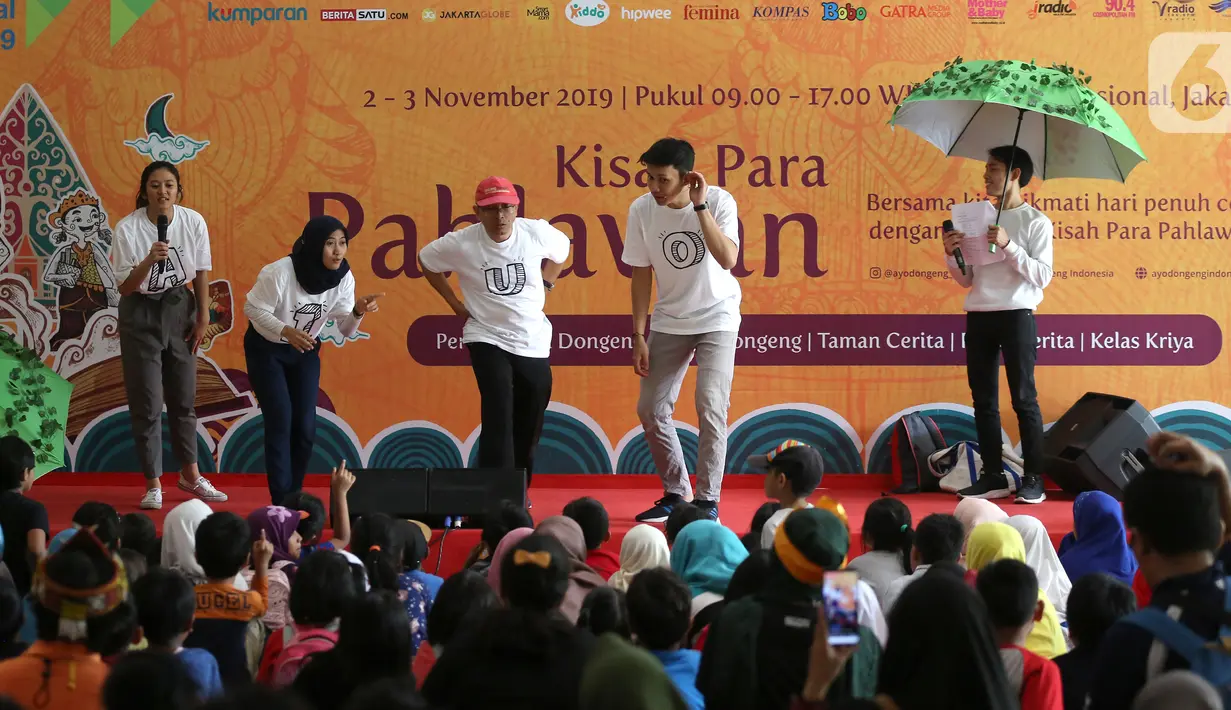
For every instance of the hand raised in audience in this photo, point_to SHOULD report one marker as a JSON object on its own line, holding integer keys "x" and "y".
{"x": 342, "y": 479}
{"x": 262, "y": 553}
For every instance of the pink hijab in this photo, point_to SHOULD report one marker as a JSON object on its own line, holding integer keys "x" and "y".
{"x": 502, "y": 550}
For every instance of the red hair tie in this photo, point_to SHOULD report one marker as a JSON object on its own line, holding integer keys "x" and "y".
{"x": 374, "y": 548}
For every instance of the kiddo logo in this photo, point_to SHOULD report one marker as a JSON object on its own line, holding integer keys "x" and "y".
{"x": 1195, "y": 68}
{"x": 587, "y": 13}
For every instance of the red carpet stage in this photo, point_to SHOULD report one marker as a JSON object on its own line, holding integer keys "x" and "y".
{"x": 624, "y": 496}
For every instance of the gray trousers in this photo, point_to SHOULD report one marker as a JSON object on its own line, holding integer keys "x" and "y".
{"x": 160, "y": 368}
{"x": 669, "y": 359}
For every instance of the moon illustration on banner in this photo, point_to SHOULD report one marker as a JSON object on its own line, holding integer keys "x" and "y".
{"x": 159, "y": 142}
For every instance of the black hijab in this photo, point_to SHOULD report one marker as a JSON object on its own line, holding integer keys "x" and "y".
{"x": 308, "y": 256}
{"x": 941, "y": 651}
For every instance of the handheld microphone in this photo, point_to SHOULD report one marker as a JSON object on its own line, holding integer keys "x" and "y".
{"x": 957, "y": 253}
{"x": 162, "y": 228}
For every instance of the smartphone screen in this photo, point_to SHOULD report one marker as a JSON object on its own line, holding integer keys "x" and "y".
{"x": 841, "y": 607}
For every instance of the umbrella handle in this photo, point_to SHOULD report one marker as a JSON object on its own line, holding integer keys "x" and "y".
{"x": 1008, "y": 173}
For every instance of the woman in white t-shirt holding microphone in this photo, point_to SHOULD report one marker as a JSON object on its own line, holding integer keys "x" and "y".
{"x": 159, "y": 248}
{"x": 288, "y": 306}
{"x": 501, "y": 271}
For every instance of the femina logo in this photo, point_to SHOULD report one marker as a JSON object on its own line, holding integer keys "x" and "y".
{"x": 710, "y": 12}
{"x": 253, "y": 15}
{"x": 780, "y": 12}
{"x": 587, "y": 13}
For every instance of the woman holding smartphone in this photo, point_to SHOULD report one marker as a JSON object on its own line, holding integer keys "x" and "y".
{"x": 288, "y": 306}
{"x": 159, "y": 248}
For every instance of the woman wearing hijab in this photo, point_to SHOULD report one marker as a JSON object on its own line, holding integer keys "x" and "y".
{"x": 179, "y": 539}
{"x": 1042, "y": 558}
{"x": 507, "y": 543}
{"x": 756, "y": 653}
{"x": 581, "y": 577}
{"x": 280, "y": 527}
{"x": 705, "y": 556}
{"x": 287, "y": 308}
{"x": 972, "y": 512}
{"x": 1099, "y": 541}
{"x": 644, "y": 547}
{"x": 997, "y": 541}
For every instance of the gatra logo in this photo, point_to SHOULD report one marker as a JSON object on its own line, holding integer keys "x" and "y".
{"x": 1176, "y": 9}
{"x": 781, "y": 12}
{"x": 710, "y": 12}
{"x": 904, "y": 12}
{"x": 1055, "y": 9}
{"x": 833, "y": 12}
{"x": 253, "y": 15}
{"x": 362, "y": 15}
{"x": 986, "y": 12}
{"x": 541, "y": 13}
{"x": 587, "y": 13}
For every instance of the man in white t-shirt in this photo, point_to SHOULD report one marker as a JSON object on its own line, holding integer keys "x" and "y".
{"x": 1000, "y": 321}
{"x": 499, "y": 265}
{"x": 684, "y": 236}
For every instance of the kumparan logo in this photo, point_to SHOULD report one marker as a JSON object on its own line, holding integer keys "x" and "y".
{"x": 253, "y": 15}
{"x": 587, "y": 13}
{"x": 710, "y": 13}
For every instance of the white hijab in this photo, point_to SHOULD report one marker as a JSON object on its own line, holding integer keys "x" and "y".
{"x": 1042, "y": 558}
{"x": 179, "y": 541}
{"x": 644, "y": 547}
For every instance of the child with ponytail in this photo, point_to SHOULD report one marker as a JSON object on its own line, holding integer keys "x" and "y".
{"x": 378, "y": 541}
{"x": 889, "y": 537}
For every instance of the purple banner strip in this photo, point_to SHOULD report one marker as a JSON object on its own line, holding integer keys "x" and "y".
{"x": 876, "y": 340}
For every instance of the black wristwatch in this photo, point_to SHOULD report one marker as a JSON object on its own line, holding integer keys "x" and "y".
{"x": 700, "y": 208}
{"x": 548, "y": 285}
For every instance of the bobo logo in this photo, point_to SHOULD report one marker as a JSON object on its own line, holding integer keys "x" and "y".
{"x": 833, "y": 12}
{"x": 587, "y": 13}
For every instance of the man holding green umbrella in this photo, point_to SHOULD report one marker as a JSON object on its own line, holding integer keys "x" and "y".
{"x": 1000, "y": 320}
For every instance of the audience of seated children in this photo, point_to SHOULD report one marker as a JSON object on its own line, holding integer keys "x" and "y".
{"x": 752, "y": 538}
{"x": 223, "y": 613}
{"x": 659, "y": 613}
{"x": 99, "y": 518}
{"x": 938, "y": 538}
{"x": 463, "y": 598}
{"x": 12, "y": 614}
{"x": 705, "y": 556}
{"x": 23, "y": 520}
{"x": 888, "y": 535}
{"x": 378, "y": 538}
{"x": 323, "y": 590}
{"x": 605, "y": 610}
{"x": 416, "y": 536}
{"x": 1042, "y": 558}
{"x": 1096, "y": 602}
{"x": 166, "y": 606}
{"x": 1010, "y": 590}
{"x": 793, "y": 472}
{"x": 1099, "y": 540}
{"x": 83, "y": 613}
{"x": 149, "y": 680}
{"x": 280, "y": 526}
{"x": 595, "y": 526}
{"x": 1176, "y": 513}
{"x": 312, "y": 527}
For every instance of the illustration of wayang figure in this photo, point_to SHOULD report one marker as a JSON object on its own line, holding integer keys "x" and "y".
{"x": 79, "y": 267}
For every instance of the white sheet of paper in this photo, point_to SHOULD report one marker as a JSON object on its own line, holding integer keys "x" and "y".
{"x": 973, "y": 219}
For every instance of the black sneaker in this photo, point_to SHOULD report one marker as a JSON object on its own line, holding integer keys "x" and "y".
{"x": 989, "y": 487}
{"x": 709, "y": 507}
{"x": 661, "y": 510}
{"x": 1031, "y": 490}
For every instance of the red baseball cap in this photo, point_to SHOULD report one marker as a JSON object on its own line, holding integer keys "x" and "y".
{"x": 495, "y": 191}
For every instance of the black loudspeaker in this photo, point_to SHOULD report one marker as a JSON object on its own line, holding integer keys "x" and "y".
{"x": 1094, "y": 445}
{"x": 432, "y": 494}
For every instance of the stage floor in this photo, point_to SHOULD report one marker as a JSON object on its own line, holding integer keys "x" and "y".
{"x": 623, "y": 495}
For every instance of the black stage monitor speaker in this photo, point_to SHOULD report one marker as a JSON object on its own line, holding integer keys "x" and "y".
{"x": 1093, "y": 446}
{"x": 432, "y": 494}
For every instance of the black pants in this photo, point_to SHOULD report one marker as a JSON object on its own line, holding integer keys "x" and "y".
{"x": 285, "y": 382}
{"x": 1013, "y": 334}
{"x": 515, "y": 392}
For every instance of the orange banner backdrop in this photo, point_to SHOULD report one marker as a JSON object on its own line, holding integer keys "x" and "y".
{"x": 388, "y": 117}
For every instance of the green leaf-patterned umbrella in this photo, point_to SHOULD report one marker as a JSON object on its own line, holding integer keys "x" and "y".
{"x": 1069, "y": 131}
{"x": 33, "y": 403}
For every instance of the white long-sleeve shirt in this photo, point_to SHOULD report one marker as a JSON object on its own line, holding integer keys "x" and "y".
{"x": 277, "y": 301}
{"x": 1018, "y": 281}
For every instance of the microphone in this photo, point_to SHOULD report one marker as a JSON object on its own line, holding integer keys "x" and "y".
{"x": 957, "y": 253}
{"x": 162, "y": 228}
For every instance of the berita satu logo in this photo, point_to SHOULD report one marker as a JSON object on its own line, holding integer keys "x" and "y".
{"x": 587, "y": 13}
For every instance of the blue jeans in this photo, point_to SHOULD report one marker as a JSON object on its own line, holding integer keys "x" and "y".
{"x": 286, "y": 383}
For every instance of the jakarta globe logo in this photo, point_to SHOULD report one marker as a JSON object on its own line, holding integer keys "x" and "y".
{"x": 587, "y": 13}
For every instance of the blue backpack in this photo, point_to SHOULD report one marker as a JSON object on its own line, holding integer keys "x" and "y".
{"x": 1210, "y": 660}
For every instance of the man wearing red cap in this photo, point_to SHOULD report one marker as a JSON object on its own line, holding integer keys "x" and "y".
{"x": 499, "y": 267}
{"x": 684, "y": 235}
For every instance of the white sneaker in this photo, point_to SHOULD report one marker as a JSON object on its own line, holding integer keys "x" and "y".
{"x": 152, "y": 500}
{"x": 203, "y": 489}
